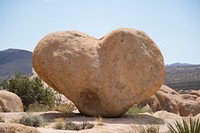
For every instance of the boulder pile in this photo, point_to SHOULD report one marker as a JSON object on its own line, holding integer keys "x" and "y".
{"x": 184, "y": 103}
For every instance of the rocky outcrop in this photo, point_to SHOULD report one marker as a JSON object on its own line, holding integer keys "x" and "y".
{"x": 167, "y": 103}
{"x": 10, "y": 102}
{"x": 167, "y": 99}
{"x": 102, "y": 77}
{"x": 195, "y": 92}
{"x": 197, "y": 100}
{"x": 188, "y": 107}
{"x": 16, "y": 128}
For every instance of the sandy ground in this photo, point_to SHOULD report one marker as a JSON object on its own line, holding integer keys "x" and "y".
{"x": 124, "y": 124}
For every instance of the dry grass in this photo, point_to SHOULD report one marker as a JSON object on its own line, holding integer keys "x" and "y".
{"x": 136, "y": 111}
{"x": 59, "y": 123}
{"x": 73, "y": 126}
{"x": 68, "y": 108}
{"x": 146, "y": 129}
{"x": 68, "y": 125}
{"x": 99, "y": 121}
{"x": 36, "y": 107}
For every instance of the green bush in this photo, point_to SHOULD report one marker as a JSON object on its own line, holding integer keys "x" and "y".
{"x": 30, "y": 91}
{"x": 193, "y": 126}
{"x": 136, "y": 110}
{"x": 34, "y": 121}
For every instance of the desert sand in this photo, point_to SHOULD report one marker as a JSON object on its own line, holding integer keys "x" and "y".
{"x": 123, "y": 124}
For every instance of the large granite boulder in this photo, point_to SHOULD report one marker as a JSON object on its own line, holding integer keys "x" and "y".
{"x": 10, "y": 102}
{"x": 103, "y": 77}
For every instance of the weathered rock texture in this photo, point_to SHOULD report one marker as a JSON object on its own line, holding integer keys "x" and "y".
{"x": 16, "y": 128}
{"x": 102, "y": 77}
{"x": 10, "y": 102}
{"x": 168, "y": 99}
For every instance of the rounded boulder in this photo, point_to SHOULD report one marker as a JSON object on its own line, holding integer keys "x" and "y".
{"x": 10, "y": 102}
{"x": 102, "y": 77}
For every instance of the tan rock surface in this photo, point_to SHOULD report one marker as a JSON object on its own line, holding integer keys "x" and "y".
{"x": 10, "y": 102}
{"x": 197, "y": 100}
{"x": 152, "y": 102}
{"x": 102, "y": 77}
{"x": 195, "y": 92}
{"x": 168, "y": 90}
{"x": 167, "y": 99}
{"x": 16, "y": 128}
{"x": 167, "y": 102}
{"x": 189, "y": 96}
{"x": 189, "y": 107}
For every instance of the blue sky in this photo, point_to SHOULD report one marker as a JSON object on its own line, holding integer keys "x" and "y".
{"x": 174, "y": 25}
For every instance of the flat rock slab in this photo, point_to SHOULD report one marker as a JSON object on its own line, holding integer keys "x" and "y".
{"x": 16, "y": 128}
{"x": 102, "y": 77}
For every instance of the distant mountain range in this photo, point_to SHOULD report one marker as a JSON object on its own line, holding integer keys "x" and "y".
{"x": 184, "y": 76}
{"x": 178, "y": 64}
{"x": 13, "y": 61}
{"x": 178, "y": 75}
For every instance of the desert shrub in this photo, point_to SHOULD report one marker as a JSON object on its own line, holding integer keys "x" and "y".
{"x": 150, "y": 129}
{"x": 68, "y": 125}
{"x": 136, "y": 110}
{"x": 30, "y": 91}
{"x": 185, "y": 126}
{"x": 66, "y": 107}
{"x": 73, "y": 126}
{"x": 99, "y": 121}
{"x": 86, "y": 125}
{"x": 59, "y": 123}
{"x": 36, "y": 107}
{"x": 34, "y": 121}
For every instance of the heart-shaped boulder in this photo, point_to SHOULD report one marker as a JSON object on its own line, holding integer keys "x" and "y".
{"x": 103, "y": 77}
